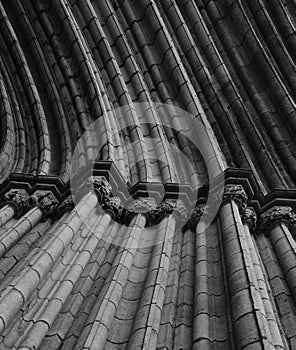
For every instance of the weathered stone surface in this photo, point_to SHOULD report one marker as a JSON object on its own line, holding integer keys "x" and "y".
{"x": 66, "y": 206}
{"x": 236, "y": 193}
{"x": 19, "y": 199}
{"x": 90, "y": 280}
{"x": 275, "y": 216}
{"x": 46, "y": 201}
{"x": 249, "y": 218}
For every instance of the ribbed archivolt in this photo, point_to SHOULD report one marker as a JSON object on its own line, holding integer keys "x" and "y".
{"x": 85, "y": 278}
{"x": 67, "y": 63}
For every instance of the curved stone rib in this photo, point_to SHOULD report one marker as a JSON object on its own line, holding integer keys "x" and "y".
{"x": 110, "y": 62}
{"x": 89, "y": 73}
{"x": 32, "y": 92}
{"x": 9, "y": 131}
{"x": 54, "y": 112}
{"x": 19, "y": 122}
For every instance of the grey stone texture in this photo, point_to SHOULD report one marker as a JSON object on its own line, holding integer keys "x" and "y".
{"x": 84, "y": 271}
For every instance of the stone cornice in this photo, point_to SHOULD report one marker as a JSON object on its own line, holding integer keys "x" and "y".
{"x": 249, "y": 192}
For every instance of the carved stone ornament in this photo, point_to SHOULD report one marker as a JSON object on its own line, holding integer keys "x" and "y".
{"x": 66, "y": 206}
{"x": 46, "y": 201}
{"x": 236, "y": 193}
{"x": 274, "y": 216}
{"x": 142, "y": 205}
{"x": 166, "y": 208}
{"x": 196, "y": 215}
{"x": 249, "y": 218}
{"x": 19, "y": 199}
{"x": 114, "y": 207}
{"x": 99, "y": 185}
{"x": 181, "y": 210}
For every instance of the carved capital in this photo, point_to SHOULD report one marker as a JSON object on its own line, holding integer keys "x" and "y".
{"x": 114, "y": 207}
{"x": 236, "y": 193}
{"x": 181, "y": 210}
{"x": 249, "y": 218}
{"x": 196, "y": 215}
{"x": 99, "y": 185}
{"x": 46, "y": 201}
{"x": 274, "y": 216}
{"x": 19, "y": 199}
{"x": 66, "y": 206}
{"x": 142, "y": 205}
{"x": 166, "y": 208}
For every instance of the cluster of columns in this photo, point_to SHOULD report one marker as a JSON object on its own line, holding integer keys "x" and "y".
{"x": 254, "y": 319}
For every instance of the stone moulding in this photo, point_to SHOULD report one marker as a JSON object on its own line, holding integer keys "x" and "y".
{"x": 123, "y": 201}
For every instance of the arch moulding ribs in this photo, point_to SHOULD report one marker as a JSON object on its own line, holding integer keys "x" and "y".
{"x": 258, "y": 200}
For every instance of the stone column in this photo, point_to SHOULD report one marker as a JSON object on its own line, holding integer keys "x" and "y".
{"x": 26, "y": 281}
{"x": 43, "y": 206}
{"x": 147, "y": 321}
{"x": 84, "y": 230}
{"x": 275, "y": 223}
{"x": 104, "y": 310}
{"x": 201, "y": 317}
{"x": 250, "y": 328}
{"x": 249, "y": 219}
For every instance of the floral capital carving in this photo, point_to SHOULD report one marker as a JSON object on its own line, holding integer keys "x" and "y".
{"x": 275, "y": 215}
{"x": 66, "y": 206}
{"x": 249, "y": 218}
{"x": 46, "y": 201}
{"x": 196, "y": 215}
{"x": 142, "y": 205}
{"x": 19, "y": 199}
{"x": 114, "y": 207}
{"x": 166, "y": 208}
{"x": 99, "y": 185}
{"x": 236, "y": 193}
